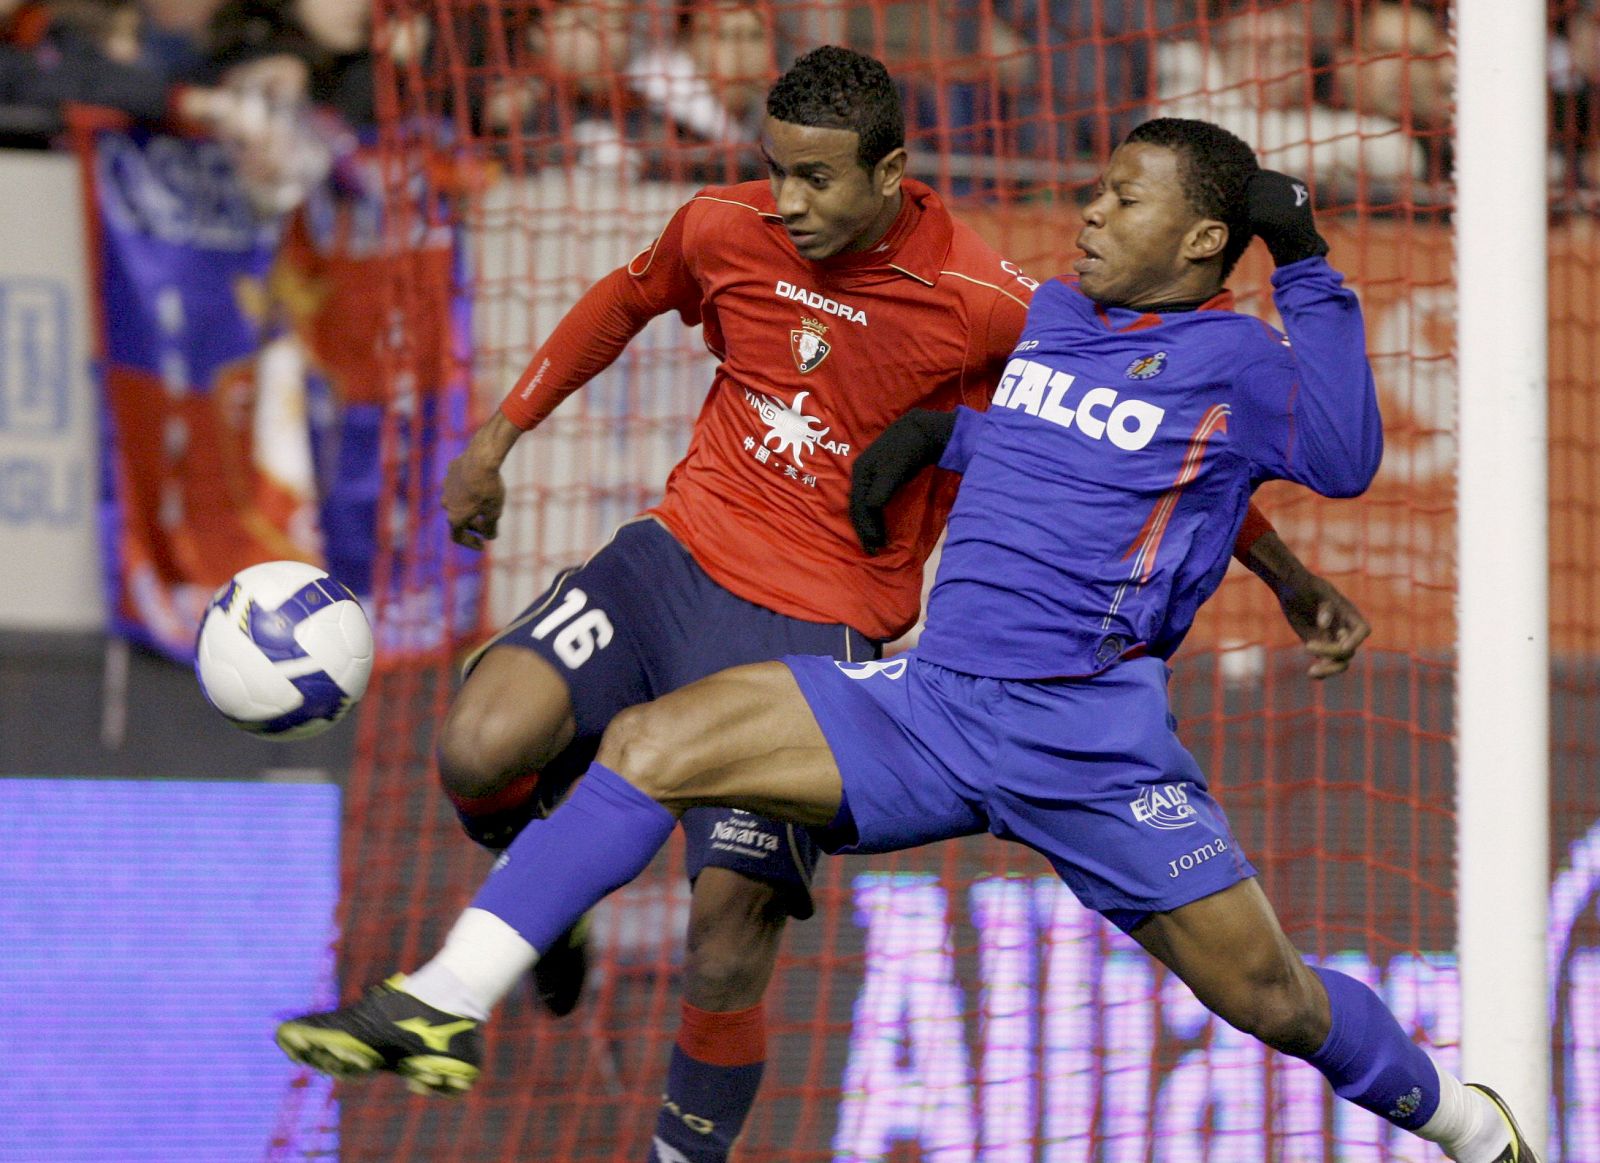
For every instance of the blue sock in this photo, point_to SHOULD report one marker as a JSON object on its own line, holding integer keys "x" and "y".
{"x": 711, "y": 1084}
{"x": 1369, "y": 1060}
{"x": 603, "y": 836}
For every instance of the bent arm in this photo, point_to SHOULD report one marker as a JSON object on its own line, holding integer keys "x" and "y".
{"x": 1335, "y": 439}
{"x": 1328, "y": 623}
{"x": 601, "y": 324}
{"x": 586, "y": 342}
{"x": 588, "y": 339}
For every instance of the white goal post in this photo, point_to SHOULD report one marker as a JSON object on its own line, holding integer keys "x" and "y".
{"x": 1503, "y": 626}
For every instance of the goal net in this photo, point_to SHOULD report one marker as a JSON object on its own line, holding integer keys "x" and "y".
{"x": 955, "y": 1003}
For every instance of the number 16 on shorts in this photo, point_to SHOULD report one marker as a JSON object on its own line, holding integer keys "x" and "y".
{"x": 577, "y": 632}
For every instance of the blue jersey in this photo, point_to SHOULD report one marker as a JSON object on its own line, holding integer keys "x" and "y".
{"x": 1105, "y": 485}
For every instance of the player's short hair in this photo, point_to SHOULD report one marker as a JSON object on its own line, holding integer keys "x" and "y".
{"x": 835, "y": 88}
{"x": 1214, "y": 167}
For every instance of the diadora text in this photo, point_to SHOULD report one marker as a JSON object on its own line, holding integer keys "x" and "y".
{"x": 820, "y": 302}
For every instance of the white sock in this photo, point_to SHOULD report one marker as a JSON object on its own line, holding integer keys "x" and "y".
{"x": 481, "y": 960}
{"x": 1467, "y": 1125}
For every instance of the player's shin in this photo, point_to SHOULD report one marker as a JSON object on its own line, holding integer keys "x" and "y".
{"x": 711, "y": 1084}
{"x": 602, "y": 837}
{"x": 1369, "y": 1060}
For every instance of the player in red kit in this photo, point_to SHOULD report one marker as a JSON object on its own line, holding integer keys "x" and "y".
{"x": 836, "y": 298}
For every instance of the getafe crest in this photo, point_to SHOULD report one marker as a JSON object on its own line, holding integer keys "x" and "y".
{"x": 807, "y": 345}
{"x": 1147, "y": 367}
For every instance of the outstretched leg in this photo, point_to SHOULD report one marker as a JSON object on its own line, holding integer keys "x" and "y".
{"x": 1230, "y": 949}
{"x": 743, "y": 737}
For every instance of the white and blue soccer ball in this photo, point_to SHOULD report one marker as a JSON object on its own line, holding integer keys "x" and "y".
{"x": 284, "y": 650}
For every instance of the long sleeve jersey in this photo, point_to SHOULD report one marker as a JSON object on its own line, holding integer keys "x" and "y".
{"x": 815, "y": 360}
{"x": 1106, "y": 484}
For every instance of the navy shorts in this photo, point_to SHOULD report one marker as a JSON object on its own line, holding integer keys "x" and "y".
{"x": 1088, "y": 772}
{"x": 641, "y": 618}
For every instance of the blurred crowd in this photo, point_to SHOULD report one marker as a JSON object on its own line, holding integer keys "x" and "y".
{"x": 1353, "y": 93}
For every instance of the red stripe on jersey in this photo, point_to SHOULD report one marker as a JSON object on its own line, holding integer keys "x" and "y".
{"x": 1148, "y": 543}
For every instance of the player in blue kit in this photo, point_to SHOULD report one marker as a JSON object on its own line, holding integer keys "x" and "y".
{"x": 1100, "y": 499}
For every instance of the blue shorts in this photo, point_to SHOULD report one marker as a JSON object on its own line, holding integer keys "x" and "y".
{"x": 1088, "y": 772}
{"x": 641, "y": 618}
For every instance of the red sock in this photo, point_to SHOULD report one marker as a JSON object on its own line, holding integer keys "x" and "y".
{"x": 716, "y": 1070}
{"x": 734, "y": 1038}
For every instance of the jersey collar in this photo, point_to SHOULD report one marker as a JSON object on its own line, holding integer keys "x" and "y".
{"x": 918, "y": 244}
{"x": 1125, "y": 319}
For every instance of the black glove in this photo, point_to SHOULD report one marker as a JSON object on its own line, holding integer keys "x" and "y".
{"x": 1280, "y": 215}
{"x": 904, "y": 449}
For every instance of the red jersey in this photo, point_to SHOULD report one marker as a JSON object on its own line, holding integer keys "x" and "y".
{"x": 816, "y": 359}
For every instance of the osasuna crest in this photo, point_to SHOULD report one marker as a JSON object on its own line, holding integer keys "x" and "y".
{"x": 808, "y": 346}
{"x": 1147, "y": 367}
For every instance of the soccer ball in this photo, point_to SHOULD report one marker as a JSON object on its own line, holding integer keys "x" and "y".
{"x": 284, "y": 650}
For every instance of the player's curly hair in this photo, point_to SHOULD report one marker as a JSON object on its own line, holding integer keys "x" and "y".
{"x": 1215, "y": 167}
{"x": 835, "y": 88}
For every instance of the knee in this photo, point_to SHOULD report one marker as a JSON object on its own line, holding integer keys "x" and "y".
{"x": 480, "y": 749}
{"x": 1286, "y": 1008}
{"x": 638, "y": 745}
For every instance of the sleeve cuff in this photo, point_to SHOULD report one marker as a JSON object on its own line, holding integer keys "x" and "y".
{"x": 1254, "y": 528}
{"x": 962, "y": 441}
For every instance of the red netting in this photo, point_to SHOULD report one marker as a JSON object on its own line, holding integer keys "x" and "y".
{"x": 955, "y": 1001}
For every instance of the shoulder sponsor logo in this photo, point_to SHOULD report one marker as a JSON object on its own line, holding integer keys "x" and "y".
{"x": 790, "y": 430}
{"x": 819, "y": 302}
{"x": 1098, "y": 413}
{"x": 1165, "y": 806}
{"x": 1147, "y": 367}
{"x": 807, "y": 345}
